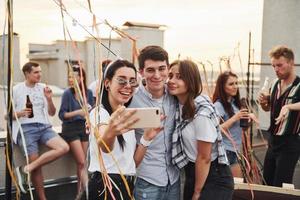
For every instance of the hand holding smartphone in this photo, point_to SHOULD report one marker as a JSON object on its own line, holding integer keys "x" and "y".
{"x": 148, "y": 117}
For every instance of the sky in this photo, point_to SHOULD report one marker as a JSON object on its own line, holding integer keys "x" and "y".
{"x": 204, "y": 30}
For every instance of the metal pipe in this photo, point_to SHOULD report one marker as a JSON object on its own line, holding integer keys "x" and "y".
{"x": 8, "y": 185}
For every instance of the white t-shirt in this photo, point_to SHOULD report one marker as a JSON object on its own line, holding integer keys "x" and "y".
{"x": 203, "y": 129}
{"x": 38, "y": 100}
{"x": 124, "y": 157}
{"x": 93, "y": 87}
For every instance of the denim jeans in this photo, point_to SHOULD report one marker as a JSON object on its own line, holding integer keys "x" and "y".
{"x": 218, "y": 185}
{"x": 35, "y": 133}
{"x": 145, "y": 190}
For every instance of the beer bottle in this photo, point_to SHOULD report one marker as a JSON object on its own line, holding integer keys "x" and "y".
{"x": 265, "y": 88}
{"x": 244, "y": 123}
{"x": 29, "y": 105}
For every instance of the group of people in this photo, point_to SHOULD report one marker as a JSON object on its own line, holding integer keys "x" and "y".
{"x": 127, "y": 163}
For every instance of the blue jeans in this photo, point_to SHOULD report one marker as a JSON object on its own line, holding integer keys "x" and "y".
{"x": 145, "y": 190}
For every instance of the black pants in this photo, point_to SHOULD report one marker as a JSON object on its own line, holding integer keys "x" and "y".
{"x": 218, "y": 185}
{"x": 97, "y": 191}
{"x": 279, "y": 167}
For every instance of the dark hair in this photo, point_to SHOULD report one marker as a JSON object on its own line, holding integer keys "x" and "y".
{"x": 155, "y": 53}
{"x": 190, "y": 75}
{"x": 220, "y": 93}
{"x": 81, "y": 73}
{"x": 109, "y": 74}
{"x": 28, "y": 67}
{"x": 278, "y": 51}
{"x": 104, "y": 64}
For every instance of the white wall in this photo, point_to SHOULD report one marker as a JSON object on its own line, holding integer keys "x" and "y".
{"x": 144, "y": 37}
{"x": 18, "y": 75}
{"x": 97, "y": 53}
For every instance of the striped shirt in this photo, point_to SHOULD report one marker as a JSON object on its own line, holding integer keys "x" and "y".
{"x": 291, "y": 124}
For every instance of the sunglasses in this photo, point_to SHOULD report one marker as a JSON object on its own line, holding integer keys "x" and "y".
{"x": 123, "y": 82}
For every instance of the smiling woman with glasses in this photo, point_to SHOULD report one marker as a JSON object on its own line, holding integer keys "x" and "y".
{"x": 120, "y": 81}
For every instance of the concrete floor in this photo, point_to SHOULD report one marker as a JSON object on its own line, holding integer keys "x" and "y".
{"x": 67, "y": 191}
{"x": 260, "y": 154}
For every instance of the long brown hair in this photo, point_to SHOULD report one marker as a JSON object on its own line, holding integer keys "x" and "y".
{"x": 220, "y": 94}
{"x": 190, "y": 75}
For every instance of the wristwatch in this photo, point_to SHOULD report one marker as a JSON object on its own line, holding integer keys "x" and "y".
{"x": 144, "y": 142}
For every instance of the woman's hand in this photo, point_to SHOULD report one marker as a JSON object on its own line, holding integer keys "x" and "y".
{"x": 253, "y": 117}
{"x": 242, "y": 114}
{"x": 121, "y": 121}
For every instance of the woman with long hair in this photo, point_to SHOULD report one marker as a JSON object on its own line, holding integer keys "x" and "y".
{"x": 116, "y": 143}
{"x": 197, "y": 141}
{"x": 227, "y": 101}
{"x": 73, "y": 120}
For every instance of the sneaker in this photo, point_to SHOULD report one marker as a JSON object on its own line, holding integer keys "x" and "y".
{"x": 22, "y": 179}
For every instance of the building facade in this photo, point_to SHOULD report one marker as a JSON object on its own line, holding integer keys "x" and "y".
{"x": 17, "y": 74}
{"x": 281, "y": 26}
{"x": 53, "y": 58}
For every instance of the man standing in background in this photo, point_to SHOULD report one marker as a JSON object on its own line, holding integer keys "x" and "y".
{"x": 283, "y": 103}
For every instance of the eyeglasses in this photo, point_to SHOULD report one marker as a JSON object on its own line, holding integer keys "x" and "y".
{"x": 123, "y": 82}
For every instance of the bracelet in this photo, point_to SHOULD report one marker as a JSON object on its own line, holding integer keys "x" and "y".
{"x": 144, "y": 142}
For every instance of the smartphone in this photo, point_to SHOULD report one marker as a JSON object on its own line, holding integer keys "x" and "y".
{"x": 148, "y": 117}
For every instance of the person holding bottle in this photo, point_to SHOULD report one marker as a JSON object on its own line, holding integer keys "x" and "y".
{"x": 227, "y": 101}
{"x": 36, "y": 129}
{"x": 283, "y": 103}
{"x": 29, "y": 106}
{"x": 73, "y": 120}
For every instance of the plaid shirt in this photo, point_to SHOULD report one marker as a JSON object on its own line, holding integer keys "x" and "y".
{"x": 204, "y": 107}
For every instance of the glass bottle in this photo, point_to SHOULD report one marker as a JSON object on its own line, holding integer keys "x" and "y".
{"x": 29, "y": 105}
{"x": 244, "y": 123}
{"x": 265, "y": 88}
